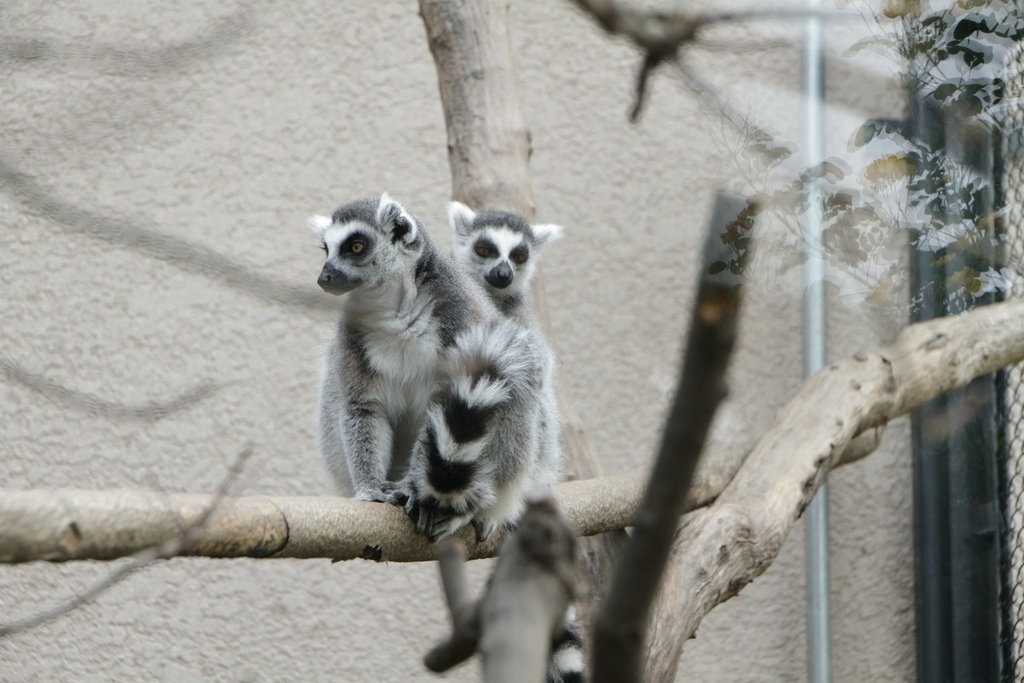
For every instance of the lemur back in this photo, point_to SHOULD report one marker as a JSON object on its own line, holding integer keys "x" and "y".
{"x": 405, "y": 303}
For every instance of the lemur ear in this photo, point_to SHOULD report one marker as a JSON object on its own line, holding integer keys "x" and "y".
{"x": 393, "y": 218}
{"x": 461, "y": 218}
{"x": 318, "y": 224}
{"x": 546, "y": 232}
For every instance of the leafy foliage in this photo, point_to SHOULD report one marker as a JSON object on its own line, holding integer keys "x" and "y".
{"x": 932, "y": 174}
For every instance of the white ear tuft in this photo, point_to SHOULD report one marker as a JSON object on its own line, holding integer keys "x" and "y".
{"x": 461, "y": 217}
{"x": 393, "y": 217}
{"x": 387, "y": 209}
{"x": 546, "y": 232}
{"x": 318, "y": 224}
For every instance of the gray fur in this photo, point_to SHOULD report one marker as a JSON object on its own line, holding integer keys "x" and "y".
{"x": 405, "y": 303}
{"x": 506, "y": 231}
{"x": 493, "y": 376}
{"x": 467, "y": 227}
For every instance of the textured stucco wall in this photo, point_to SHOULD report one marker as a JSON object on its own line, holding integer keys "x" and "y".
{"x": 316, "y": 103}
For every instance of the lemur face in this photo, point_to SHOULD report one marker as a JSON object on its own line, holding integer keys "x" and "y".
{"x": 363, "y": 241}
{"x": 499, "y": 254}
{"x": 498, "y": 247}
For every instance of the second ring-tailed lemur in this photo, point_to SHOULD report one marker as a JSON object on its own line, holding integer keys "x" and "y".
{"x": 405, "y": 303}
{"x": 522, "y": 420}
{"x": 499, "y": 249}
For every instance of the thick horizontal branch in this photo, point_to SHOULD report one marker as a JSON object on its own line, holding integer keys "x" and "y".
{"x": 60, "y": 525}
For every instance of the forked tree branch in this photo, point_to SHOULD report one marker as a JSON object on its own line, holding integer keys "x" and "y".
{"x": 661, "y": 33}
{"x": 734, "y": 540}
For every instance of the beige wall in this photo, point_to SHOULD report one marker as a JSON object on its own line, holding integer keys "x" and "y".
{"x": 314, "y": 104}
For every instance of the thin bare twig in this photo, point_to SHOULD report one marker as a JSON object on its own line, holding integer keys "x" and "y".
{"x": 191, "y": 258}
{"x": 170, "y": 548}
{"x": 465, "y": 636}
{"x": 94, "y": 405}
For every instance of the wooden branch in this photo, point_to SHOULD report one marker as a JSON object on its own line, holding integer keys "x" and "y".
{"x": 523, "y": 607}
{"x": 65, "y": 524}
{"x": 927, "y": 360}
{"x": 172, "y": 547}
{"x": 488, "y": 143}
{"x": 621, "y": 622}
{"x": 661, "y": 33}
{"x": 725, "y": 546}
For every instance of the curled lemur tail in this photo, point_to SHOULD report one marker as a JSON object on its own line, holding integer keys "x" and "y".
{"x": 484, "y": 371}
{"x": 470, "y": 467}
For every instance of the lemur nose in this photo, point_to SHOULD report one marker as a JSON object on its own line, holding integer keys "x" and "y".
{"x": 500, "y": 276}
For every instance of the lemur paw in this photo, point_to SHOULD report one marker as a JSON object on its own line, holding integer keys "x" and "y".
{"x": 484, "y": 528}
{"x": 372, "y": 496}
{"x": 395, "y": 493}
{"x": 435, "y": 521}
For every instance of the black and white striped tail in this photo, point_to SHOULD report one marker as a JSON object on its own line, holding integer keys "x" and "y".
{"x": 566, "y": 662}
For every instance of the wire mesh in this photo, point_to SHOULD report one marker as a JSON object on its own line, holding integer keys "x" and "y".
{"x": 1013, "y": 184}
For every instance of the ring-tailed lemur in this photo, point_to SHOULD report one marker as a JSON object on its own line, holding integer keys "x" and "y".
{"x": 405, "y": 302}
{"x": 499, "y": 249}
{"x": 482, "y": 449}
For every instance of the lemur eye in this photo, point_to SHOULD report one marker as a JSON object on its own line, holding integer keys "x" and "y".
{"x": 484, "y": 251}
{"x": 323, "y": 245}
{"x": 519, "y": 255}
{"x": 356, "y": 244}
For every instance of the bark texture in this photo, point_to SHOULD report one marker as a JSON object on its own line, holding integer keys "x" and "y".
{"x": 523, "y": 606}
{"x": 621, "y": 623}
